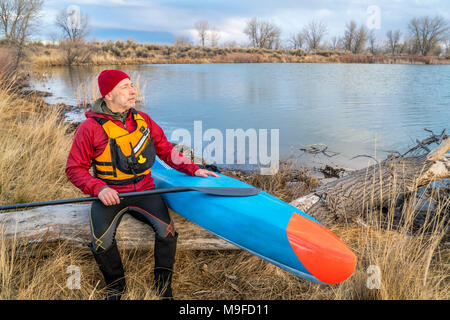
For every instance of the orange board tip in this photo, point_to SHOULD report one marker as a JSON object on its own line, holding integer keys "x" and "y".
{"x": 319, "y": 250}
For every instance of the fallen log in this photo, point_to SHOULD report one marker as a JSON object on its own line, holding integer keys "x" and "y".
{"x": 70, "y": 223}
{"x": 348, "y": 197}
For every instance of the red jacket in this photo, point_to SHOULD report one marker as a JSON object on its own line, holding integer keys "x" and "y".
{"x": 90, "y": 141}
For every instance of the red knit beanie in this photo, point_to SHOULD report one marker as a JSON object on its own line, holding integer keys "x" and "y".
{"x": 108, "y": 79}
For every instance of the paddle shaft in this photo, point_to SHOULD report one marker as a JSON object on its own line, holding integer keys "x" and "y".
{"x": 231, "y": 192}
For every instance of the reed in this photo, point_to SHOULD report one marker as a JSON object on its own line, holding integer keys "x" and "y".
{"x": 33, "y": 150}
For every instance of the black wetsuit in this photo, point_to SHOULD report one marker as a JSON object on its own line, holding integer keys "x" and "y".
{"x": 150, "y": 209}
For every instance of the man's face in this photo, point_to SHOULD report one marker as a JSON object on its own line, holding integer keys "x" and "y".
{"x": 123, "y": 96}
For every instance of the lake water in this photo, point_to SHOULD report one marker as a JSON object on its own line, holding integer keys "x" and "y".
{"x": 354, "y": 109}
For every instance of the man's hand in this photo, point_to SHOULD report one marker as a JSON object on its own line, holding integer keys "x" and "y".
{"x": 204, "y": 173}
{"x": 109, "y": 196}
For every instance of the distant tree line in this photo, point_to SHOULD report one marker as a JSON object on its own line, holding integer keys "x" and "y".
{"x": 425, "y": 35}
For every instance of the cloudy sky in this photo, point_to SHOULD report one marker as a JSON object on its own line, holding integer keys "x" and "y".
{"x": 162, "y": 20}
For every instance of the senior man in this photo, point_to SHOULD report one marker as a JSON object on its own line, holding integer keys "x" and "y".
{"x": 120, "y": 144}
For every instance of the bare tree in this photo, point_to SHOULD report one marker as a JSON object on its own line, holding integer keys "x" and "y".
{"x": 335, "y": 43}
{"x": 262, "y": 34}
{"x": 372, "y": 42}
{"x": 214, "y": 36}
{"x": 297, "y": 41}
{"x": 73, "y": 24}
{"x": 355, "y": 39}
{"x": 251, "y": 30}
{"x": 428, "y": 32}
{"x": 360, "y": 40}
{"x": 202, "y": 27}
{"x": 349, "y": 36}
{"x": 393, "y": 41}
{"x": 181, "y": 41}
{"x": 17, "y": 21}
{"x": 314, "y": 33}
{"x": 408, "y": 46}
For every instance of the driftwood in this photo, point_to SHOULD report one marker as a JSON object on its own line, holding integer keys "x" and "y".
{"x": 71, "y": 223}
{"x": 349, "y": 196}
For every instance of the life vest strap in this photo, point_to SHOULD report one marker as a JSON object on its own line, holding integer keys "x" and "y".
{"x": 102, "y": 163}
{"x": 105, "y": 173}
{"x": 133, "y": 180}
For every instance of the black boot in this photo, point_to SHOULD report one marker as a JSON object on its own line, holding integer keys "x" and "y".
{"x": 110, "y": 265}
{"x": 164, "y": 253}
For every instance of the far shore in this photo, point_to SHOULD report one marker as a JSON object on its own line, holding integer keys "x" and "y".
{"x": 134, "y": 53}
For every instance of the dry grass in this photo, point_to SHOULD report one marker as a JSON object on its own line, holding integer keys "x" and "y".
{"x": 33, "y": 150}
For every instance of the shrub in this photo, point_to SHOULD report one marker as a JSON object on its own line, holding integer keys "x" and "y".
{"x": 325, "y": 53}
{"x": 219, "y": 51}
{"x": 152, "y": 46}
{"x": 142, "y": 53}
{"x": 132, "y": 44}
{"x": 129, "y": 53}
{"x": 183, "y": 48}
{"x": 116, "y": 51}
{"x": 194, "y": 54}
{"x": 297, "y": 52}
{"x": 120, "y": 44}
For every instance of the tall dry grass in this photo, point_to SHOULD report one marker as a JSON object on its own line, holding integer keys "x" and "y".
{"x": 8, "y": 75}
{"x": 33, "y": 150}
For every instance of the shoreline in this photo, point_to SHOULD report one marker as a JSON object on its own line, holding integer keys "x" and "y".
{"x": 435, "y": 61}
{"x": 326, "y": 170}
{"x": 133, "y": 53}
{"x": 325, "y": 173}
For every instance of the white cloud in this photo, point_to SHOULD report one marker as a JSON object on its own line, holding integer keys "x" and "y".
{"x": 179, "y": 17}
